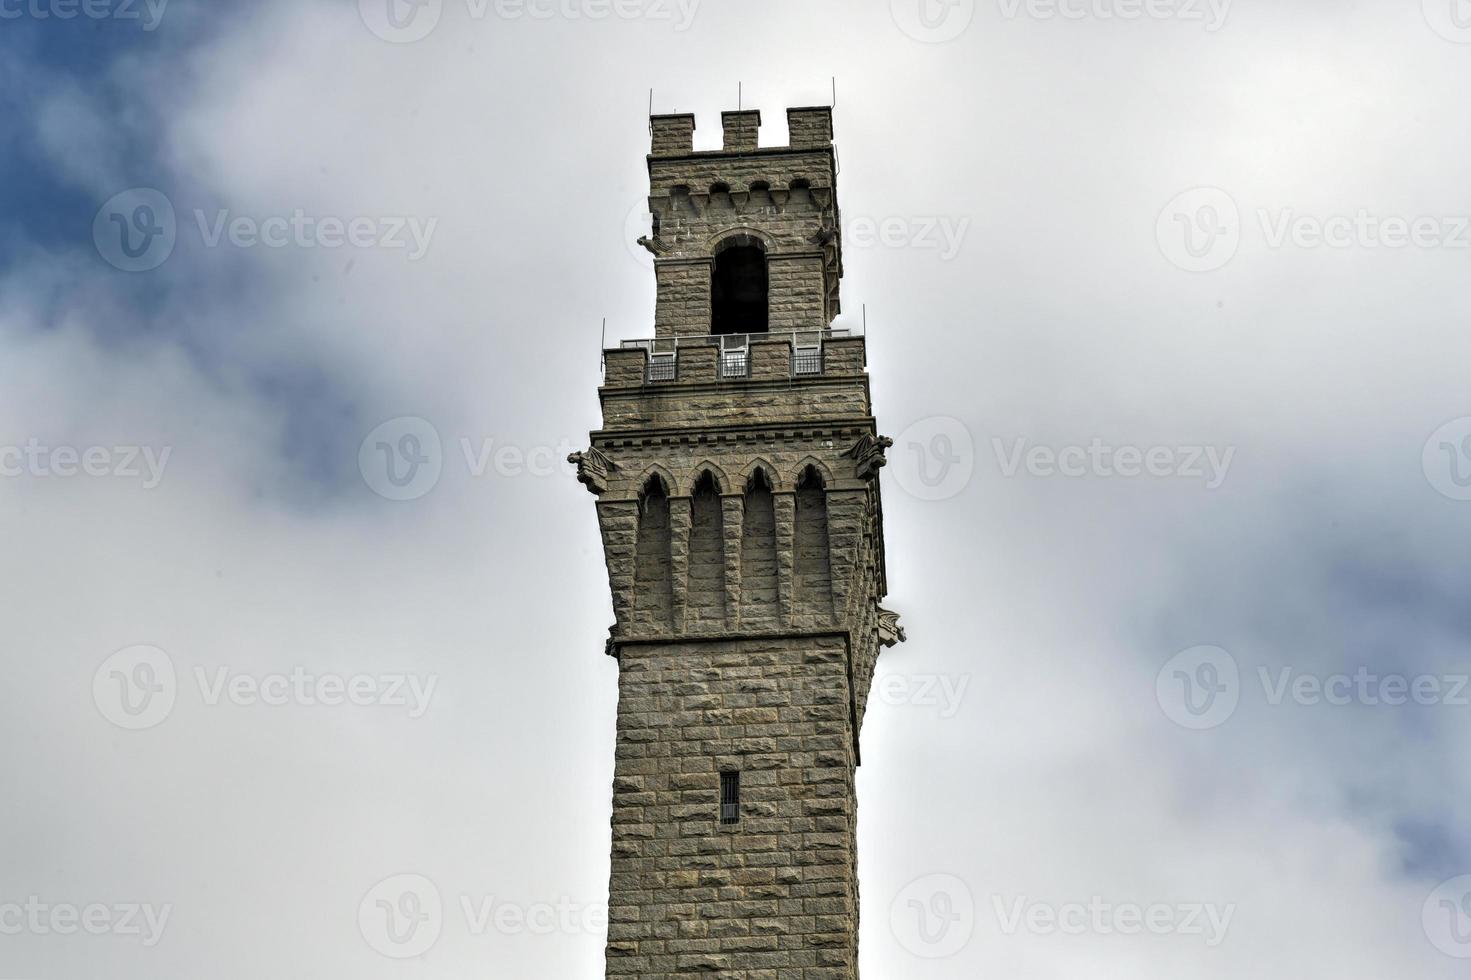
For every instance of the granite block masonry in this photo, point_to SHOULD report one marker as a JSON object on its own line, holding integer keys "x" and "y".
{"x": 737, "y": 482}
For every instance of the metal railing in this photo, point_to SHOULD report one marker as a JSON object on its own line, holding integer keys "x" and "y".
{"x": 735, "y": 360}
{"x": 662, "y": 367}
{"x": 807, "y": 360}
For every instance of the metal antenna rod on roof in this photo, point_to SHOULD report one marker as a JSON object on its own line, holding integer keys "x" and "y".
{"x": 602, "y": 346}
{"x": 740, "y": 96}
{"x": 834, "y": 104}
{"x": 865, "y": 319}
{"x": 651, "y": 112}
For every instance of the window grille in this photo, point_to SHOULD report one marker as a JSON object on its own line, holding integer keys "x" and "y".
{"x": 730, "y": 797}
{"x": 661, "y": 367}
{"x": 733, "y": 364}
{"x": 807, "y": 360}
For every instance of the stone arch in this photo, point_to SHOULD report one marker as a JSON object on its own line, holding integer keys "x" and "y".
{"x": 655, "y": 472}
{"x": 748, "y": 472}
{"x": 722, "y": 479}
{"x": 739, "y": 235}
{"x": 740, "y": 284}
{"x": 653, "y": 584}
{"x": 705, "y": 593}
{"x": 825, "y": 474}
{"x": 759, "y": 593}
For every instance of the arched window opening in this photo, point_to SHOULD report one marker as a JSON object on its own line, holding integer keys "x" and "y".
{"x": 653, "y": 586}
{"x": 706, "y": 592}
{"x": 811, "y": 571}
{"x": 738, "y": 289}
{"x": 758, "y": 550}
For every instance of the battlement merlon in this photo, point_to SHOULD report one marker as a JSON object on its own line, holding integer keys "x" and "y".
{"x": 808, "y": 128}
{"x": 741, "y": 165}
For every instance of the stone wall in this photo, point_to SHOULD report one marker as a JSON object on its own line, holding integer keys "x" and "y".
{"x": 776, "y": 894}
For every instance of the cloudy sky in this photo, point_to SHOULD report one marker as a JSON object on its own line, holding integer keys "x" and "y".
{"x": 1167, "y": 313}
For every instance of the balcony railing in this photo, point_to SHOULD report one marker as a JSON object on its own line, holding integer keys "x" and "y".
{"x": 735, "y": 351}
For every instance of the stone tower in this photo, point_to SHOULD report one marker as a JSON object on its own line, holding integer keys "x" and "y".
{"x": 738, "y": 498}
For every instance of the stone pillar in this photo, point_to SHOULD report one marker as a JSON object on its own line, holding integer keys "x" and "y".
{"x": 733, "y": 507}
{"x": 679, "y": 557}
{"x": 785, "y": 505}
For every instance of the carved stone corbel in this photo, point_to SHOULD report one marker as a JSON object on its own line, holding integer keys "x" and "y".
{"x": 868, "y": 455}
{"x": 593, "y": 467}
{"x": 889, "y": 630}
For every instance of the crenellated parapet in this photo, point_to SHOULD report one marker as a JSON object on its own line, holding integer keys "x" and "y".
{"x": 781, "y": 199}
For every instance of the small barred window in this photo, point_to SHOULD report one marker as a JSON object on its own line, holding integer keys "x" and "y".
{"x": 730, "y": 797}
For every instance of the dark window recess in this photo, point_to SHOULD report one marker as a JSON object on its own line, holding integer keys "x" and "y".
{"x": 738, "y": 291}
{"x": 730, "y": 797}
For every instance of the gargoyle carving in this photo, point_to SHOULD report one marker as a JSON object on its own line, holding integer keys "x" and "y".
{"x": 593, "y": 467}
{"x": 868, "y": 455}
{"x": 890, "y": 632}
{"x": 654, "y": 246}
